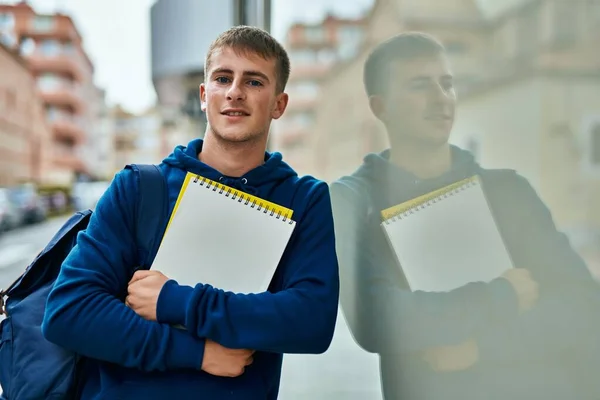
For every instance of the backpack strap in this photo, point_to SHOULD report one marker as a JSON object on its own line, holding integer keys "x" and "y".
{"x": 152, "y": 210}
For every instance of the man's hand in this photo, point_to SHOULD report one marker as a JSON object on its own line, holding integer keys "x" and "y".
{"x": 452, "y": 358}
{"x": 526, "y": 288}
{"x": 143, "y": 291}
{"x": 221, "y": 361}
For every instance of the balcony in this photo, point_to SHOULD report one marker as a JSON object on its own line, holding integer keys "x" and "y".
{"x": 61, "y": 93}
{"x": 50, "y": 27}
{"x": 59, "y": 61}
{"x": 66, "y": 127}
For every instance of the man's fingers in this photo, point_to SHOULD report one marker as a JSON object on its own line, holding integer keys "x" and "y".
{"x": 141, "y": 274}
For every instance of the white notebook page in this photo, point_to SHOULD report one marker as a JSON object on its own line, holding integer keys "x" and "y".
{"x": 218, "y": 240}
{"x": 449, "y": 243}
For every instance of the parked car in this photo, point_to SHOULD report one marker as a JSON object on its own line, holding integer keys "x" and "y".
{"x": 29, "y": 202}
{"x": 10, "y": 214}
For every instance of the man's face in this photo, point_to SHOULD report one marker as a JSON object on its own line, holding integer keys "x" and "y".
{"x": 239, "y": 95}
{"x": 420, "y": 101}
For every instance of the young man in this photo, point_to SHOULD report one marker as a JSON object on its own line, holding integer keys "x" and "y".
{"x": 232, "y": 349}
{"x": 524, "y": 335}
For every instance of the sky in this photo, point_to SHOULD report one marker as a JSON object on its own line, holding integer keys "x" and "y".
{"x": 120, "y": 47}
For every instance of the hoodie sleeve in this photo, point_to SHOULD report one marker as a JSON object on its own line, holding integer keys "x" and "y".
{"x": 385, "y": 318}
{"x": 85, "y": 312}
{"x": 566, "y": 316}
{"x": 298, "y": 319}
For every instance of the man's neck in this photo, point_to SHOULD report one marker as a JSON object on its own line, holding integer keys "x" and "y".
{"x": 425, "y": 162}
{"x": 231, "y": 159}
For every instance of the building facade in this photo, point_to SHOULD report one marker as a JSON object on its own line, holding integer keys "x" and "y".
{"x": 24, "y": 131}
{"x": 138, "y": 138}
{"x": 52, "y": 46}
{"x": 313, "y": 50}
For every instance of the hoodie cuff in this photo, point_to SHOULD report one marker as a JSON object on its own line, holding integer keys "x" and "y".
{"x": 185, "y": 351}
{"x": 172, "y": 303}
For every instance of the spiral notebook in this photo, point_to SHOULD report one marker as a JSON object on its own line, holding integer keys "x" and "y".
{"x": 224, "y": 237}
{"x": 447, "y": 238}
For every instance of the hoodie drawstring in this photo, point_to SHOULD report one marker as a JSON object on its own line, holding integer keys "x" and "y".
{"x": 238, "y": 183}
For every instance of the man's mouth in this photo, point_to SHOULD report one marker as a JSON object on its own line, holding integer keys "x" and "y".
{"x": 235, "y": 113}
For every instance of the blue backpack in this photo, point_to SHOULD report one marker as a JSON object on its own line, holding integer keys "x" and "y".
{"x": 30, "y": 366}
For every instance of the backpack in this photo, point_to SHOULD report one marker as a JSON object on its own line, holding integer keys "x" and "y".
{"x": 30, "y": 366}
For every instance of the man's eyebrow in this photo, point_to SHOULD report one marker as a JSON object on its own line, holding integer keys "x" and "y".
{"x": 246, "y": 73}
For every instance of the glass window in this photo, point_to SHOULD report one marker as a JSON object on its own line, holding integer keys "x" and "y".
{"x": 314, "y": 34}
{"x": 7, "y": 21}
{"x": 27, "y": 46}
{"x": 306, "y": 88}
{"x": 49, "y": 82}
{"x": 43, "y": 23}
{"x": 50, "y": 47}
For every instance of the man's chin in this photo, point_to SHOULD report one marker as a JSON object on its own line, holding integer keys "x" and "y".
{"x": 237, "y": 136}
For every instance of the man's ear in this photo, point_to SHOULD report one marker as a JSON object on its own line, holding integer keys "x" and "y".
{"x": 202, "y": 97}
{"x": 378, "y": 106}
{"x": 280, "y": 105}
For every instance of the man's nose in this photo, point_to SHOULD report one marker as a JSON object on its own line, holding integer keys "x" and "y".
{"x": 236, "y": 92}
{"x": 438, "y": 92}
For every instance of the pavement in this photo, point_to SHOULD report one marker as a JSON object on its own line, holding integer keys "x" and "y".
{"x": 344, "y": 372}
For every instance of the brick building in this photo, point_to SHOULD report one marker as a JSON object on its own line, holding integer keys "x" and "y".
{"x": 24, "y": 133}
{"x": 52, "y": 47}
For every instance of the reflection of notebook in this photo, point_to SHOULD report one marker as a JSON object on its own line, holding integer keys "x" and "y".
{"x": 223, "y": 237}
{"x": 447, "y": 238}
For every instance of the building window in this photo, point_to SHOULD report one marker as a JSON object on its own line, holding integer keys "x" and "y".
{"x": 43, "y": 23}
{"x": 314, "y": 34}
{"x": 51, "y": 82}
{"x": 50, "y": 47}
{"x": 7, "y": 21}
{"x": 303, "y": 57}
{"x": 305, "y": 89}
{"x": 27, "y": 46}
{"x": 8, "y": 38}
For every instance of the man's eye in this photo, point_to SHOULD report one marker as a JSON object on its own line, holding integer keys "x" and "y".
{"x": 255, "y": 83}
{"x": 447, "y": 85}
{"x": 222, "y": 79}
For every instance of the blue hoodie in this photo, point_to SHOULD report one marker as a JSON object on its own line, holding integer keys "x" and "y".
{"x": 131, "y": 358}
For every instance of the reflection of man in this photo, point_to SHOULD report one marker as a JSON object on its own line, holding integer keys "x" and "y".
{"x": 521, "y": 336}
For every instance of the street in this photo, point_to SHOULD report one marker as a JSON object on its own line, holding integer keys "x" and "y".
{"x": 19, "y": 247}
{"x": 344, "y": 372}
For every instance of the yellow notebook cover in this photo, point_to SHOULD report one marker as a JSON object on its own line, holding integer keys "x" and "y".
{"x": 407, "y": 205}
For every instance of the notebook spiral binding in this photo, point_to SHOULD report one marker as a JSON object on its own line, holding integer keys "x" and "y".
{"x": 430, "y": 201}
{"x": 267, "y": 208}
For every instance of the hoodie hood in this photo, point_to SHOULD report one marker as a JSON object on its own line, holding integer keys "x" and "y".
{"x": 398, "y": 184}
{"x": 273, "y": 171}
